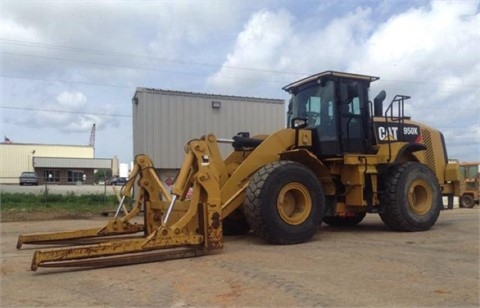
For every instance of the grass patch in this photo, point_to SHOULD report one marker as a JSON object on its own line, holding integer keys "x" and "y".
{"x": 68, "y": 204}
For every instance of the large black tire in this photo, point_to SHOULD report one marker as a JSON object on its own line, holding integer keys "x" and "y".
{"x": 284, "y": 203}
{"x": 467, "y": 201}
{"x": 412, "y": 198}
{"x": 344, "y": 221}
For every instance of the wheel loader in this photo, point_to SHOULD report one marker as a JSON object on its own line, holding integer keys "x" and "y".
{"x": 340, "y": 156}
{"x": 471, "y": 174}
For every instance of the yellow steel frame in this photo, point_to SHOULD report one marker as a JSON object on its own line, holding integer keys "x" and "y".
{"x": 194, "y": 223}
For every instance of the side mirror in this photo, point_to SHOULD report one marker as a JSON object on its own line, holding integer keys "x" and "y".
{"x": 298, "y": 123}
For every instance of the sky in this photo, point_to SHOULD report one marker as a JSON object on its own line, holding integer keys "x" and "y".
{"x": 68, "y": 64}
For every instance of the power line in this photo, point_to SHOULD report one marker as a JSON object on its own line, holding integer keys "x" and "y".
{"x": 135, "y": 67}
{"x": 129, "y": 116}
{"x": 133, "y": 87}
{"x": 177, "y": 61}
{"x": 68, "y": 81}
{"x": 145, "y": 57}
{"x": 66, "y": 111}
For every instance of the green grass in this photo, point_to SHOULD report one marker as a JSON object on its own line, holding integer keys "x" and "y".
{"x": 70, "y": 203}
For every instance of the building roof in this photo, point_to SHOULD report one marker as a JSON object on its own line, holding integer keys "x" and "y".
{"x": 207, "y": 95}
{"x": 13, "y": 143}
{"x": 318, "y": 76}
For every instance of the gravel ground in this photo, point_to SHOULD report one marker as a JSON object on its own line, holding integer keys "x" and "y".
{"x": 363, "y": 266}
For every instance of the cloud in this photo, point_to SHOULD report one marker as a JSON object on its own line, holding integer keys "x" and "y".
{"x": 71, "y": 100}
{"x": 442, "y": 36}
{"x": 257, "y": 46}
{"x": 432, "y": 54}
{"x": 104, "y": 49}
{"x": 275, "y": 47}
{"x": 429, "y": 52}
{"x": 67, "y": 113}
{"x": 13, "y": 29}
{"x": 89, "y": 40}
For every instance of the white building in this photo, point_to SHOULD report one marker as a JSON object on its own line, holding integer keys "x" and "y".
{"x": 163, "y": 122}
{"x": 57, "y": 164}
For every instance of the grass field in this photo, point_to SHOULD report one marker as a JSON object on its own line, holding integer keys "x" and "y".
{"x": 21, "y": 206}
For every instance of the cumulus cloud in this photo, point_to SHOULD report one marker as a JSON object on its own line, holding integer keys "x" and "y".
{"x": 277, "y": 48}
{"x": 87, "y": 58}
{"x": 13, "y": 29}
{"x": 66, "y": 112}
{"x": 259, "y": 46}
{"x": 432, "y": 54}
{"x": 429, "y": 52}
{"x": 442, "y": 36}
{"x": 178, "y": 26}
{"x": 72, "y": 100}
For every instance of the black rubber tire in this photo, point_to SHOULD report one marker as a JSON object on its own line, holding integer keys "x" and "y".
{"x": 284, "y": 203}
{"x": 344, "y": 221}
{"x": 467, "y": 201}
{"x": 412, "y": 199}
{"x": 235, "y": 224}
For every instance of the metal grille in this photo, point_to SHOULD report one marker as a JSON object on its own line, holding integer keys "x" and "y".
{"x": 429, "y": 155}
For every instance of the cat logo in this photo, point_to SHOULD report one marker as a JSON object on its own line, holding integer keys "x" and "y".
{"x": 387, "y": 133}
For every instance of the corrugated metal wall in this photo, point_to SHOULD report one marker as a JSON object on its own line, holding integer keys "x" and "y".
{"x": 163, "y": 121}
{"x": 18, "y": 157}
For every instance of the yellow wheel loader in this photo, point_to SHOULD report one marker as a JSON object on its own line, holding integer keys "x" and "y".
{"x": 340, "y": 157}
{"x": 471, "y": 174}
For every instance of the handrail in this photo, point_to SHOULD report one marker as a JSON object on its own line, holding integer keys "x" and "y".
{"x": 400, "y": 117}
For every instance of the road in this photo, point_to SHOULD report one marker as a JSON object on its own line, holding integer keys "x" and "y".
{"x": 366, "y": 266}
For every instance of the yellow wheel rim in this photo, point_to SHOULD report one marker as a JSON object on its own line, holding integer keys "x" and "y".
{"x": 420, "y": 197}
{"x": 294, "y": 203}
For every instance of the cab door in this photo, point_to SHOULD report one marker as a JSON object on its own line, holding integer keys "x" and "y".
{"x": 353, "y": 116}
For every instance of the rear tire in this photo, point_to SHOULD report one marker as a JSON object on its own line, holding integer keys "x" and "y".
{"x": 284, "y": 203}
{"x": 412, "y": 198}
{"x": 467, "y": 201}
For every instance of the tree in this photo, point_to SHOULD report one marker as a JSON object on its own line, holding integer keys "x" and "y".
{"x": 101, "y": 175}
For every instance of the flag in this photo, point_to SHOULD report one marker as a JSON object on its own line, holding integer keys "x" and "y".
{"x": 6, "y": 139}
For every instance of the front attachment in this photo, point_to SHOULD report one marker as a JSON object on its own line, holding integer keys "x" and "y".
{"x": 175, "y": 226}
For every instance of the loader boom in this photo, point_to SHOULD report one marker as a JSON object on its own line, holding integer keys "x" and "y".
{"x": 171, "y": 220}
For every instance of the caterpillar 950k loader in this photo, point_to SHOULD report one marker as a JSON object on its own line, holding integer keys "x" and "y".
{"x": 339, "y": 158}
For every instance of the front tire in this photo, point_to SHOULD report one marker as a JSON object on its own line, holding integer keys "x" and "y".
{"x": 467, "y": 201}
{"x": 412, "y": 198}
{"x": 284, "y": 203}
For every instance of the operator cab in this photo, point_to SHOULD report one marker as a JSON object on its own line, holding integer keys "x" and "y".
{"x": 335, "y": 107}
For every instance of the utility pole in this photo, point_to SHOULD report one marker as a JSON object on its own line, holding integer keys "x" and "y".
{"x": 92, "y": 138}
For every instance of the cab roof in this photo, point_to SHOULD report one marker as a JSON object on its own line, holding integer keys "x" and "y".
{"x": 319, "y": 76}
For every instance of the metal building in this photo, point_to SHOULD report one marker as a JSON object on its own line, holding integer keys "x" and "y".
{"x": 57, "y": 164}
{"x": 163, "y": 122}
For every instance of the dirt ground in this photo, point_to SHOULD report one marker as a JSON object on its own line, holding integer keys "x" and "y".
{"x": 363, "y": 266}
